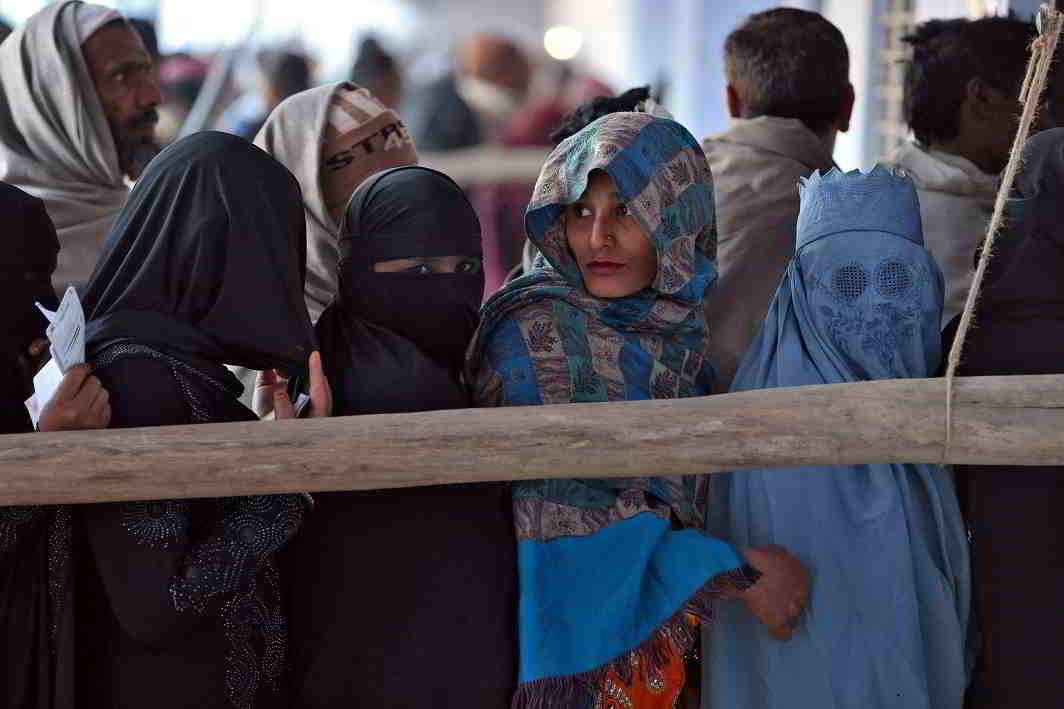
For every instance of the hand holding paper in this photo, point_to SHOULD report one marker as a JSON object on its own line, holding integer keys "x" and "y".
{"x": 79, "y": 402}
{"x": 66, "y": 332}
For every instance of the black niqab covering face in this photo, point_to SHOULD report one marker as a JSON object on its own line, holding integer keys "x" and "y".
{"x": 207, "y": 259}
{"x": 26, "y": 265}
{"x": 412, "y": 212}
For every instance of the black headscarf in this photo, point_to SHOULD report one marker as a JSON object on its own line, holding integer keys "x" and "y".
{"x": 26, "y": 266}
{"x": 413, "y": 326}
{"x": 1024, "y": 277}
{"x": 207, "y": 260}
{"x": 1014, "y": 513}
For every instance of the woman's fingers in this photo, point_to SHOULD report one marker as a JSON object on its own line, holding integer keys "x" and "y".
{"x": 320, "y": 391}
{"x": 100, "y": 411}
{"x": 266, "y": 378}
{"x": 72, "y": 382}
{"x": 86, "y": 394}
{"x": 282, "y": 405}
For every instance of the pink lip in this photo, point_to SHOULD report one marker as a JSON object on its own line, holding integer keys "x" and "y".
{"x": 604, "y": 268}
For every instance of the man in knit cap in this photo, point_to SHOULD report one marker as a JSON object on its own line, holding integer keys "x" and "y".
{"x": 77, "y": 118}
{"x": 332, "y": 138}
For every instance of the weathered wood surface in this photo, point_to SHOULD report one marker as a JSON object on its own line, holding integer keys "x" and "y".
{"x": 1016, "y": 420}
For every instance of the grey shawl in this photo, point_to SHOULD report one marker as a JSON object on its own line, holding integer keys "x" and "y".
{"x": 756, "y": 165}
{"x": 55, "y": 142}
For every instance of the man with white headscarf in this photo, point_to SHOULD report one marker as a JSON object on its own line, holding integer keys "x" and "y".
{"x": 77, "y": 118}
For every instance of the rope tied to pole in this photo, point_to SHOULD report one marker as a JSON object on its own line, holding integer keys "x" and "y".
{"x": 1043, "y": 49}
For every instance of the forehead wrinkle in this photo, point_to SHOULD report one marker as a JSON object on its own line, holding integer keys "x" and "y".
{"x": 120, "y": 65}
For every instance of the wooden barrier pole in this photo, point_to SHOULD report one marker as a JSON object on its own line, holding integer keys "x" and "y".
{"x": 1015, "y": 420}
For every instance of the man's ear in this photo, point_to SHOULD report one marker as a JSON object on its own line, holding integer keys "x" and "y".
{"x": 846, "y": 114}
{"x": 735, "y": 104}
{"x": 985, "y": 102}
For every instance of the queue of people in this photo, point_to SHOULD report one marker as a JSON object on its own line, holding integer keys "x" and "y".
{"x": 324, "y": 259}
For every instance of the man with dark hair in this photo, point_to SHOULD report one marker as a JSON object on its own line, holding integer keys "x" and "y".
{"x": 961, "y": 89}
{"x": 78, "y": 98}
{"x": 789, "y": 95}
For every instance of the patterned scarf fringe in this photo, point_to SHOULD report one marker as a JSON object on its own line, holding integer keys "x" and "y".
{"x": 675, "y": 636}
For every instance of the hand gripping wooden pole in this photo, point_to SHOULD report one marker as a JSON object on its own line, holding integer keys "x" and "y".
{"x": 1014, "y": 420}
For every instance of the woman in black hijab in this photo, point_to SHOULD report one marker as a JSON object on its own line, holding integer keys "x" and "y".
{"x": 404, "y": 598}
{"x": 35, "y": 622}
{"x": 31, "y": 248}
{"x": 1015, "y": 514}
{"x": 180, "y": 603}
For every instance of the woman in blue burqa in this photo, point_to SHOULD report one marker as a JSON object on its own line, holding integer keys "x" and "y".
{"x": 888, "y": 617}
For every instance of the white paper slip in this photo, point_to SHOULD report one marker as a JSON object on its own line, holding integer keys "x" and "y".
{"x": 66, "y": 331}
{"x": 34, "y": 409}
{"x": 44, "y": 385}
{"x": 301, "y": 403}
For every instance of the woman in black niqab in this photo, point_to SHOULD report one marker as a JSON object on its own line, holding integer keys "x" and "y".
{"x": 410, "y": 328}
{"x": 1015, "y": 514}
{"x": 404, "y": 598}
{"x": 180, "y": 601}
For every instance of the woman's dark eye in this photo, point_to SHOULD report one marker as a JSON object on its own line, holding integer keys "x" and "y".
{"x": 623, "y": 210}
{"x": 469, "y": 267}
{"x": 421, "y": 269}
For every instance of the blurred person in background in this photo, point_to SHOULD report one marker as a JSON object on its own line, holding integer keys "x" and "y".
{"x": 182, "y": 76}
{"x": 377, "y": 71}
{"x": 78, "y": 100}
{"x": 473, "y": 104}
{"x": 280, "y": 74}
{"x": 961, "y": 104}
{"x": 789, "y": 95}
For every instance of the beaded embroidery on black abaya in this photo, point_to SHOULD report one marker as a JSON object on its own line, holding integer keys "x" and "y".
{"x": 235, "y": 562}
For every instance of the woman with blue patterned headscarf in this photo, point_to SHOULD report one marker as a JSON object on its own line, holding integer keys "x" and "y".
{"x": 612, "y": 571}
{"x": 887, "y": 624}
